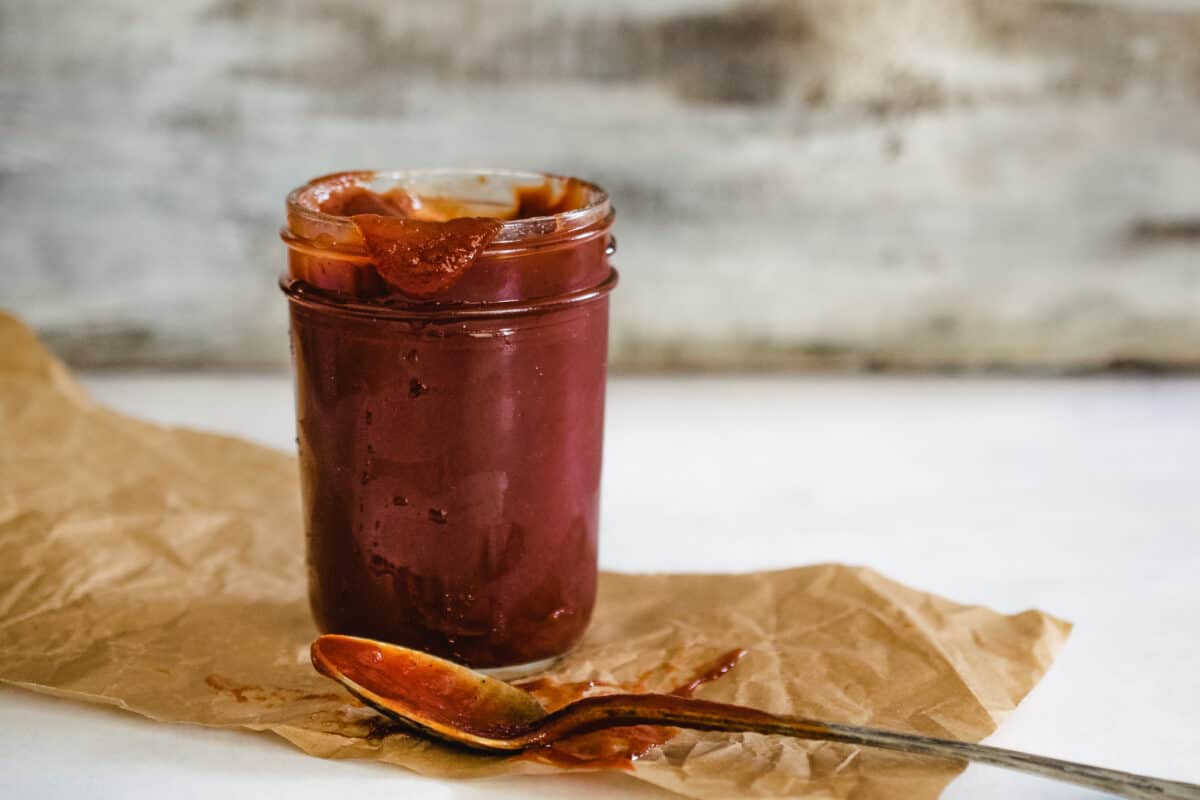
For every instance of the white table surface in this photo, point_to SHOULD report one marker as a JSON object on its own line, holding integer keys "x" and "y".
{"x": 1078, "y": 496}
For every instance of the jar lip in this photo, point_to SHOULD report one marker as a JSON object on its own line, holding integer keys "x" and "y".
{"x": 303, "y": 201}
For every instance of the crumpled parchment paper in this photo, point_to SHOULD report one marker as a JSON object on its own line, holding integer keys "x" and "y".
{"x": 161, "y": 570}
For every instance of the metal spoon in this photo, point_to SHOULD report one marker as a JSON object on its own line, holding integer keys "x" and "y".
{"x": 459, "y": 705}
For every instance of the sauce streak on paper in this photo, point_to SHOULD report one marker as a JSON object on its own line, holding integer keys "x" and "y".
{"x": 616, "y": 748}
{"x": 270, "y": 698}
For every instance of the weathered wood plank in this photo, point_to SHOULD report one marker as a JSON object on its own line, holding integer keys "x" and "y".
{"x": 924, "y": 183}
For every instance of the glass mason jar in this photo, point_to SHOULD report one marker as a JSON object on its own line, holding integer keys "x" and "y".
{"x": 450, "y": 446}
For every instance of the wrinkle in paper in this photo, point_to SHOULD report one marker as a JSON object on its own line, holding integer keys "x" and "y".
{"x": 161, "y": 571}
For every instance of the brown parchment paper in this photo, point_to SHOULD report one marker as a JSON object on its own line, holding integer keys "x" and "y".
{"x": 161, "y": 571}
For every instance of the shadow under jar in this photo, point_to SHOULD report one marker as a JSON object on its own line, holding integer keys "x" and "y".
{"x": 449, "y": 333}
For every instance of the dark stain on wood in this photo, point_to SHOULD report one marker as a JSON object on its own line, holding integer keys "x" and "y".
{"x": 743, "y": 54}
{"x": 740, "y": 55}
{"x": 1094, "y": 40}
{"x": 746, "y": 53}
{"x": 1140, "y": 367}
{"x": 1183, "y": 230}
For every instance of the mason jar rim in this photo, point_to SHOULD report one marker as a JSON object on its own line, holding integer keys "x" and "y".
{"x": 303, "y": 202}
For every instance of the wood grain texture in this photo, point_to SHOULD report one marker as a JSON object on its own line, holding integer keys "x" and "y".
{"x": 815, "y": 183}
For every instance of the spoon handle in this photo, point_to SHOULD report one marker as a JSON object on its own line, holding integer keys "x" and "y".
{"x": 1122, "y": 784}
{"x": 608, "y": 711}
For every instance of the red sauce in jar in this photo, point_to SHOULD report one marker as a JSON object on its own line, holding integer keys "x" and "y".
{"x": 450, "y": 356}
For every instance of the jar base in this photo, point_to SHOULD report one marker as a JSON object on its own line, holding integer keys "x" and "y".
{"x": 515, "y": 671}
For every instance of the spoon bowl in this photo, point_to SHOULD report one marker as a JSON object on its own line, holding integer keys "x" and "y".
{"x": 431, "y": 694}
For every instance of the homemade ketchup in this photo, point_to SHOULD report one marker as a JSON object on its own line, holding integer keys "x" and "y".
{"x": 449, "y": 333}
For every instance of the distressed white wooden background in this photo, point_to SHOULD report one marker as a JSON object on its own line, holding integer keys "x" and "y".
{"x": 831, "y": 183}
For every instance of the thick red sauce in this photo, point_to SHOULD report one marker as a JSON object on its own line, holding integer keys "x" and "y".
{"x": 418, "y": 247}
{"x": 541, "y": 200}
{"x": 423, "y": 259}
{"x": 450, "y": 462}
{"x": 615, "y": 748}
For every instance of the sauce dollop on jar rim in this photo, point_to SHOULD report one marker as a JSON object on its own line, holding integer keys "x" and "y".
{"x": 408, "y": 238}
{"x": 306, "y": 222}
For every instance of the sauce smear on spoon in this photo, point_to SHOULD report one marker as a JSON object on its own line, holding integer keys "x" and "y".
{"x": 616, "y": 748}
